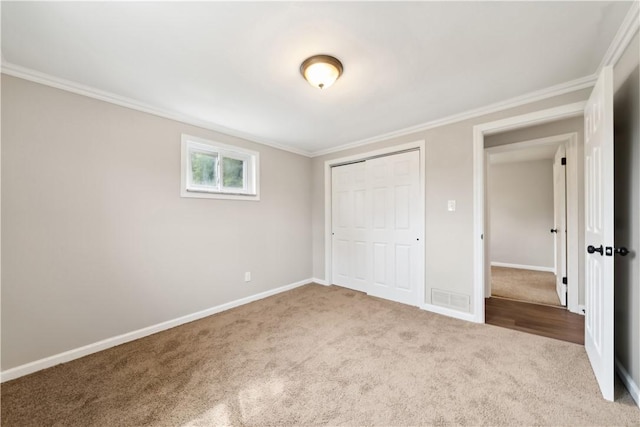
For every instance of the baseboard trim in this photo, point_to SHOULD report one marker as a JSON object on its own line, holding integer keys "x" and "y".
{"x": 469, "y": 317}
{"x": 522, "y": 266}
{"x": 629, "y": 383}
{"x": 67, "y": 356}
{"x": 320, "y": 281}
{"x": 581, "y": 309}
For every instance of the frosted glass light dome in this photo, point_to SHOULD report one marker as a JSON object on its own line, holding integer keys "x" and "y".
{"x": 321, "y": 71}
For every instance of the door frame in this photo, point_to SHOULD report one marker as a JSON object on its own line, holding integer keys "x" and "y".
{"x": 572, "y": 213}
{"x": 479, "y": 179}
{"x": 328, "y": 164}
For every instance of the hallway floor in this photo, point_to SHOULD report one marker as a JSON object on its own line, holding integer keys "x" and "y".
{"x": 537, "y": 319}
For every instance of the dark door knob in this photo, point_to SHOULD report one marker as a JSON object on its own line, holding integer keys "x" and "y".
{"x": 592, "y": 249}
{"x": 554, "y": 230}
{"x": 622, "y": 251}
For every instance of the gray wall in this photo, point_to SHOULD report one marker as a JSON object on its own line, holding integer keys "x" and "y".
{"x": 627, "y": 209}
{"x": 448, "y": 176}
{"x": 97, "y": 240}
{"x": 558, "y": 127}
{"x": 520, "y": 197}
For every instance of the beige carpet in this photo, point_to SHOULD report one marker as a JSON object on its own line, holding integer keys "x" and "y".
{"x": 524, "y": 285}
{"x": 322, "y": 355}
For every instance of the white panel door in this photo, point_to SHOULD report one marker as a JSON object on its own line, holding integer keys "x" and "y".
{"x": 350, "y": 251}
{"x": 598, "y": 149}
{"x": 560, "y": 222}
{"x": 394, "y": 182}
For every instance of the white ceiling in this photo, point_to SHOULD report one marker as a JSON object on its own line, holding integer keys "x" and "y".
{"x": 235, "y": 66}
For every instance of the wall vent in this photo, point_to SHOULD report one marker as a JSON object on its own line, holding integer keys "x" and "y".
{"x": 449, "y": 299}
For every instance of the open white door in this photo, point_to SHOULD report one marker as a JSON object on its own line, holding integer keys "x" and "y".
{"x": 560, "y": 222}
{"x": 598, "y": 151}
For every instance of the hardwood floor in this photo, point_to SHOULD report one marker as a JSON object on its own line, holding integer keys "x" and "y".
{"x": 537, "y": 319}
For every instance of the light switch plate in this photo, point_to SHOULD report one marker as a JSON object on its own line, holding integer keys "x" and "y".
{"x": 451, "y": 205}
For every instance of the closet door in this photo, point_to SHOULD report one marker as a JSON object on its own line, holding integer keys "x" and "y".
{"x": 350, "y": 227}
{"x": 394, "y": 183}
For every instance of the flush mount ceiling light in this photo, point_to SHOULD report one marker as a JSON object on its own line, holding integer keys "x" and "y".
{"x": 321, "y": 71}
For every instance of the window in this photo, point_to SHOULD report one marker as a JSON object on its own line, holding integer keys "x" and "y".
{"x": 211, "y": 170}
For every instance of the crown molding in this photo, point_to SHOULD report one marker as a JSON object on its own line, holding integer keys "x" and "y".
{"x": 14, "y": 70}
{"x": 67, "y": 85}
{"x": 571, "y": 86}
{"x": 627, "y": 30}
{"x": 622, "y": 39}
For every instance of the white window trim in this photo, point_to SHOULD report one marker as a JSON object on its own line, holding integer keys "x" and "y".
{"x": 252, "y": 172}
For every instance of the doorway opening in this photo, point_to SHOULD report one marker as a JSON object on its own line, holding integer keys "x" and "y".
{"x": 481, "y": 272}
{"x": 529, "y": 206}
{"x": 532, "y": 229}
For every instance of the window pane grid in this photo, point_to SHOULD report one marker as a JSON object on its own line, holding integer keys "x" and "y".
{"x": 218, "y": 170}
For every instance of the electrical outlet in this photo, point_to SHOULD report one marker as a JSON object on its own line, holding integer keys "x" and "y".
{"x": 451, "y": 205}
{"x": 247, "y": 276}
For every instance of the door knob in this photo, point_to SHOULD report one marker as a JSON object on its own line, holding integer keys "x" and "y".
{"x": 622, "y": 251}
{"x": 592, "y": 249}
{"x": 554, "y": 230}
